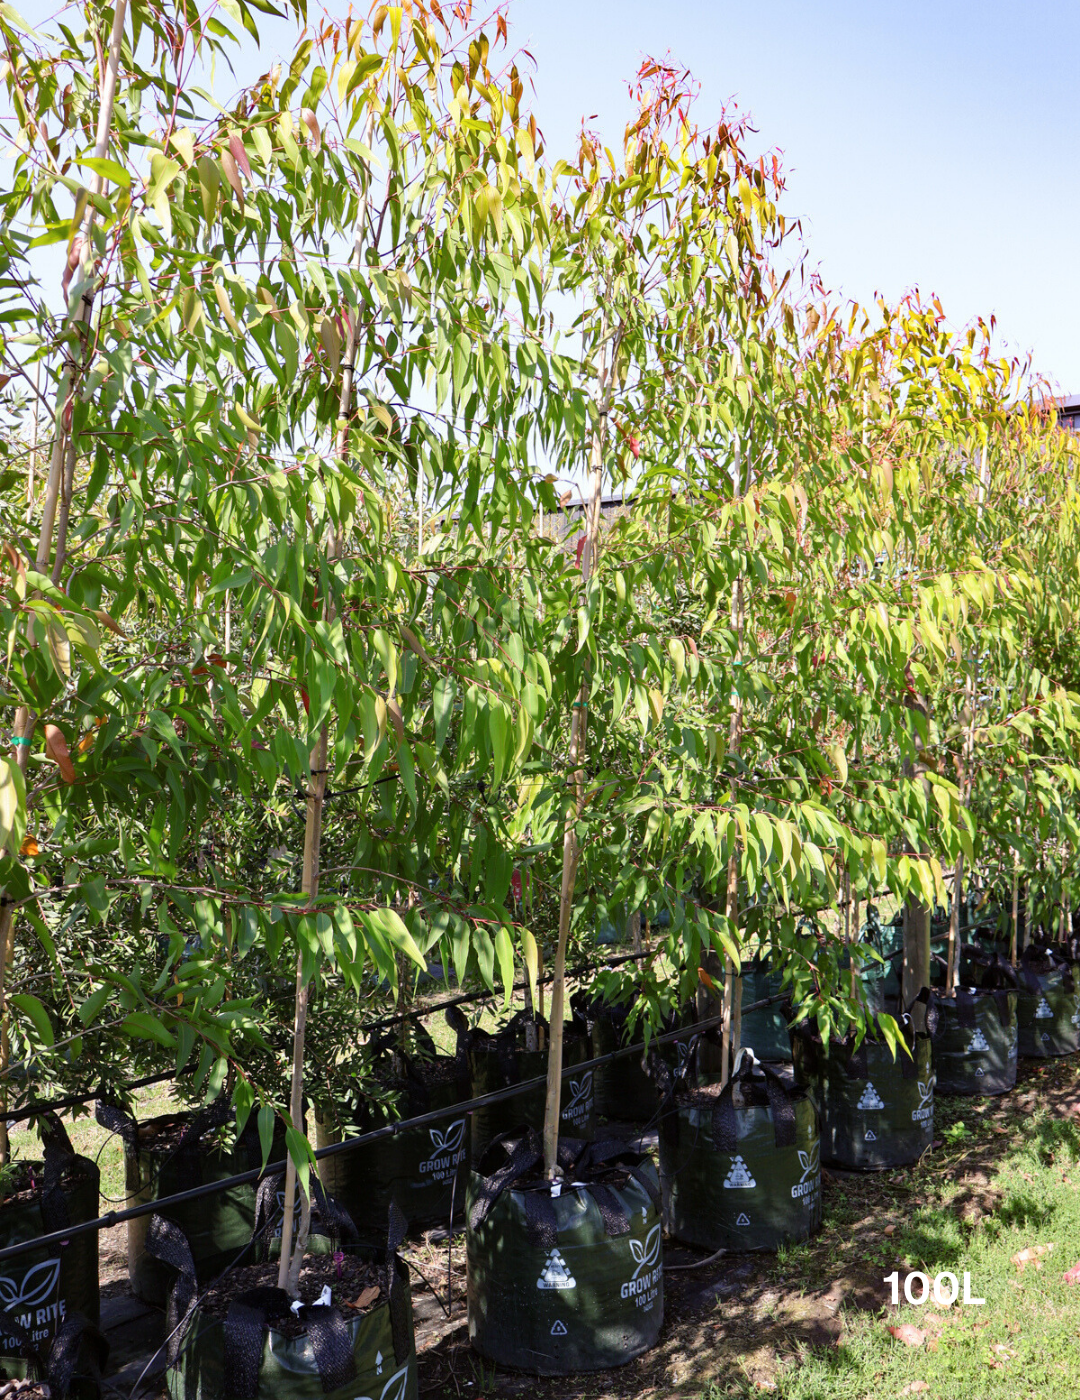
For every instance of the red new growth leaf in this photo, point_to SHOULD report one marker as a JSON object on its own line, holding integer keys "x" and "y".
{"x": 580, "y": 550}
{"x": 57, "y": 748}
{"x": 240, "y": 155}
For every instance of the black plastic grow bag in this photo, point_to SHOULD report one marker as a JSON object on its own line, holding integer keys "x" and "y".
{"x": 501, "y": 1060}
{"x": 875, "y": 1111}
{"x": 622, "y": 1088}
{"x": 1048, "y": 1007}
{"x": 42, "y": 1287}
{"x": 422, "y": 1170}
{"x": 218, "y": 1227}
{"x": 567, "y": 1282}
{"x": 975, "y": 1045}
{"x": 764, "y": 1031}
{"x": 244, "y": 1356}
{"x": 741, "y": 1177}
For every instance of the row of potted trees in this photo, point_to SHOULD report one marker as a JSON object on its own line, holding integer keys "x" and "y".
{"x": 318, "y": 672}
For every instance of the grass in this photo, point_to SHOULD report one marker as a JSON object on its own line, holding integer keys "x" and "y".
{"x": 1002, "y": 1181}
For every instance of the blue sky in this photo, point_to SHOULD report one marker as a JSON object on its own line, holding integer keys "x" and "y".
{"x": 926, "y": 144}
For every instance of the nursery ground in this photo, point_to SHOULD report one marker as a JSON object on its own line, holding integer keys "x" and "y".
{"x": 813, "y": 1323}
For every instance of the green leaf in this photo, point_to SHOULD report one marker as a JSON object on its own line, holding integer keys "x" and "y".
{"x": 303, "y": 1159}
{"x": 32, "y": 1008}
{"x": 90, "y": 1010}
{"x": 388, "y": 929}
{"x": 504, "y": 951}
{"x": 107, "y": 168}
{"x": 147, "y": 1027}
{"x": 266, "y": 1120}
{"x": 442, "y": 703}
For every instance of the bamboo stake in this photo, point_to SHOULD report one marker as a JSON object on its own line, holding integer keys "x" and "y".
{"x": 23, "y": 727}
{"x": 292, "y": 1251}
{"x": 578, "y": 726}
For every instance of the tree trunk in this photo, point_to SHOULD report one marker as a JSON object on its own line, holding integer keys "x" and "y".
{"x": 732, "y": 1009}
{"x": 578, "y": 727}
{"x": 292, "y": 1252}
{"x": 916, "y": 973}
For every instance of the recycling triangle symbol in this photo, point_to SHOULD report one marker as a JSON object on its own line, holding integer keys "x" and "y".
{"x": 978, "y": 1042}
{"x": 555, "y": 1273}
{"x": 870, "y": 1098}
{"x": 739, "y": 1176}
{"x": 871, "y": 1136}
{"x": 743, "y": 1219}
{"x": 558, "y": 1329}
{"x": 978, "y": 1071}
{"x": 1042, "y": 1011}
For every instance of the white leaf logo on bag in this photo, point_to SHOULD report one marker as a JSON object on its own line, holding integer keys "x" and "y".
{"x": 395, "y": 1388}
{"x": 810, "y": 1161}
{"x": 810, "y": 1183}
{"x": 925, "y": 1111}
{"x": 449, "y": 1140}
{"x": 1042, "y": 1011}
{"x": 646, "y": 1252}
{"x": 978, "y": 1042}
{"x": 35, "y": 1286}
{"x": 580, "y": 1093}
{"x": 447, "y": 1151}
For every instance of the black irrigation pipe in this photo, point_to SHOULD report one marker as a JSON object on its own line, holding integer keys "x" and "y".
{"x": 211, "y": 1188}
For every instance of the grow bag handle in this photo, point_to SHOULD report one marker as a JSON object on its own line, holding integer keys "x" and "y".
{"x": 59, "y": 1154}
{"x": 724, "y": 1125}
{"x": 249, "y": 1318}
{"x": 573, "y": 1158}
{"x": 1047, "y": 953}
{"x": 75, "y": 1332}
{"x": 332, "y": 1213}
{"x": 167, "y": 1242}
